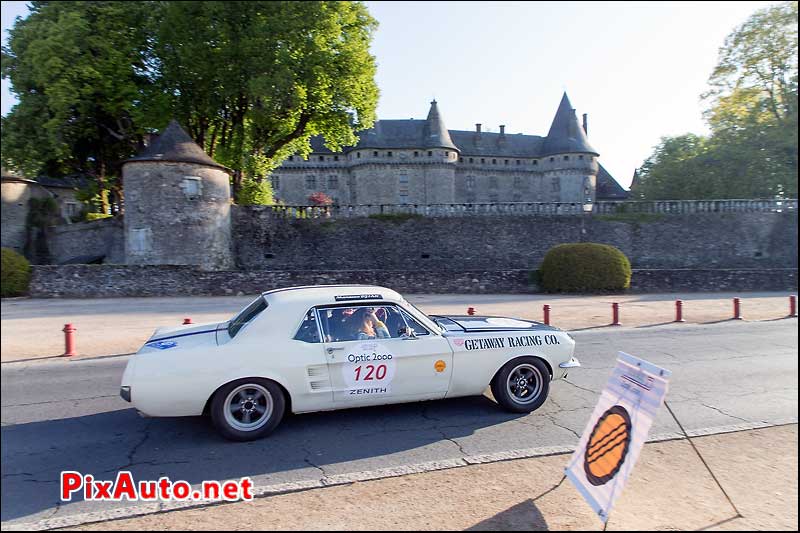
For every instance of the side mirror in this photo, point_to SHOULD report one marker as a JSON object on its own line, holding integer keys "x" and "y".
{"x": 407, "y": 332}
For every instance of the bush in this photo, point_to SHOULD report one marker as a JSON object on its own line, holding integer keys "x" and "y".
{"x": 97, "y": 216}
{"x": 15, "y": 273}
{"x": 587, "y": 266}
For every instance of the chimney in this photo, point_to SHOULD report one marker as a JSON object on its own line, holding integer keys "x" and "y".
{"x": 502, "y": 129}
{"x": 477, "y": 128}
{"x": 585, "y": 124}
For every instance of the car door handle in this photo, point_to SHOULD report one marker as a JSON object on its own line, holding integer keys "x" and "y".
{"x": 332, "y": 349}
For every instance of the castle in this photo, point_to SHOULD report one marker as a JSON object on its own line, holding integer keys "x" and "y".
{"x": 422, "y": 162}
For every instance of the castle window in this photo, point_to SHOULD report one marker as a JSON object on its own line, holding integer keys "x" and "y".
{"x": 192, "y": 186}
{"x": 494, "y": 161}
{"x": 493, "y": 197}
{"x": 336, "y": 158}
{"x": 483, "y": 160}
{"x": 470, "y": 183}
{"x": 566, "y": 158}
{"x": 333, "y": 182}
{"x": 374, "y": 154}
{"x": 518, "y": 161}
{"x": 291, "y": 158}
{"x": 276, "y": 182}
{"x": 389, "y": 154}
{"x": 471, "y": 160}
{"x": 493, "y": 182}
{"x": 416, "y": 154}
{"x": 580, "y": 157}
{"x": 322, "y": 158}
{"x": 403, "y": 189}
{"x": 517, "y": 181}
{"x": 358, "y": 155}
{"x": 311, "y": 182}
{"x": 460, "y": 159}
{"x": 506, "y": 161}
{"x": 556, "y": 184}
{"x": 535, "y": 161}
{"x": 552, "y": 159}
{"x": 430, "y": 154}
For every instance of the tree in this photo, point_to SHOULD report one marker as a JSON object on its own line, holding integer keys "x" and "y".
{"x": 251, "y": 81}
{"x": 752, "y": 114}
{"x": 77, "y": 70}
{"x": 254, "y": 81}
{"x": 320, "y": 198}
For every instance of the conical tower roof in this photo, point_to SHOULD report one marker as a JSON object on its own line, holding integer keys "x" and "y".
{"x": 435, "y": 132}
{"x": 566, "y": 134}
{"x": 173, "y": 144}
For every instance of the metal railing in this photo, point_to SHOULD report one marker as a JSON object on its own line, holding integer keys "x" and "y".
{"x": 675, "y": 207}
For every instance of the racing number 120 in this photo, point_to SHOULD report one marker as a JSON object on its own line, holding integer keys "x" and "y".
{"x": 379, "y": 372}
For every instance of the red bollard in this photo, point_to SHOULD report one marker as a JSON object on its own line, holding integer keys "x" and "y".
{"x": 546, "y": 310}
{"x": 470, "y": 311}
{"x": 679, "y": 311}
{"x": 737, "y": 309}
{"x": 792, "y": 305}
{"x": 187, "y": 320}
{"x": 615, "y": 314}
{"x": 69, "y": 340}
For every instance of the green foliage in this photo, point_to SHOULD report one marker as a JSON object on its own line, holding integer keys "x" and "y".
{"x": 752, "y": 114}
{"x": 15, "y": 273}
{"x": 580, "y": 267}
{"x": 255, "y": 192}
{"x": 396, "y": 217}
{"x": 42, "y": 212}
{"x": 251, "y": 82}
{"x": 96, "y": 216}
{"x": 320, "y": 198}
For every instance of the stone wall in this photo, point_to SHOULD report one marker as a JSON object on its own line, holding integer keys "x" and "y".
{"x": 263, "y": 241}
{"x": 89, "y": 281}
{"x": 104, "y": 237}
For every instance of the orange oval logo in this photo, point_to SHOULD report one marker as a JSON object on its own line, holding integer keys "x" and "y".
{"x": 607, "y": 446}
{"x": 440, "y": 365}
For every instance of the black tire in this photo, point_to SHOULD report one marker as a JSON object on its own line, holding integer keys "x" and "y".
{"x": 515, "y": 398}
{"x": 251, "y": 395}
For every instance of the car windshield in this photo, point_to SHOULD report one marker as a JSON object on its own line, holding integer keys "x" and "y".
{"x": 417, "y": 309}
{"x": 246, "y": 315}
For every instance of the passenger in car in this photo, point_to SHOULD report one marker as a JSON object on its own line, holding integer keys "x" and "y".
{"x": 368, "y": 326}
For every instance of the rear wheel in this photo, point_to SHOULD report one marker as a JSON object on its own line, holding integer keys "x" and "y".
{"x": 247, "y": 409}
{"x": 522, "y": 385}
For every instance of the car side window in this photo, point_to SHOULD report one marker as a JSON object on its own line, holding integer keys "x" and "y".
{"x": 308, "y": 330}
{"x": 418, "y": 328}
{"x": 362, "y": 322}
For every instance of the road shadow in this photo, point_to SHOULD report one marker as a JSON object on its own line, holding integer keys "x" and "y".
{"x": 524, "y": 516}
{"x": 304, "y": 447}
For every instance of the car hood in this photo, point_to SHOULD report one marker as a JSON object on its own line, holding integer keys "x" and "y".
{"x": 481, "y": 324}
{"x": 187, "y": 336}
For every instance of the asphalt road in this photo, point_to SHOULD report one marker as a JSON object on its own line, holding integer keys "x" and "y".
{"x": 67, "y": 415}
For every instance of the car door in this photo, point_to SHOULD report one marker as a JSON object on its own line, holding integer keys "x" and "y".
{"x": 397, "y": 367}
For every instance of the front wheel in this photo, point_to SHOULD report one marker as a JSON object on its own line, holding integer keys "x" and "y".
{"x": 247, "y": 409}
{"x": 521, "y": 386}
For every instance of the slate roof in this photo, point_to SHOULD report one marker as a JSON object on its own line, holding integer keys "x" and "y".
{"x": 608, "y": 188}
{"x": 173, "y": 144}
{"x": 566, "y": 133}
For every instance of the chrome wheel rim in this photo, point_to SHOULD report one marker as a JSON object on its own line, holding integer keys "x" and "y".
{"x": 524, "y": 383}
{"x": 248, "y": 407}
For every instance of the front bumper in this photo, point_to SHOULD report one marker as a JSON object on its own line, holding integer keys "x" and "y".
{"x": 572, "y": 363}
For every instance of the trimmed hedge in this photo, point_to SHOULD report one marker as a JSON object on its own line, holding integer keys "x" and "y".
{"x": 15, "y": 273}
{"x": 586, "y": 266}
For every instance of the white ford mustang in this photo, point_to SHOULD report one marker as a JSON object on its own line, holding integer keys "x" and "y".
{"x": 328, "y": 347}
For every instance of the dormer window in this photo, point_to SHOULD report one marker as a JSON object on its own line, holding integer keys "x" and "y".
{"x": 322, "y": 158}
{"x": 374, "y": 154}
{"x": 566, "y": 158}
{"x": 552, "y": 159}
{"x": 388, "y": 154}
{"x": 430, "y": 153}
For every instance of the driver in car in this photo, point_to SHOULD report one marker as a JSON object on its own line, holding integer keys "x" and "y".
{"x": 368, "y": 326}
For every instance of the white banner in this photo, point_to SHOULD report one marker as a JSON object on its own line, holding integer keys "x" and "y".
{"x": 616, "y": 432}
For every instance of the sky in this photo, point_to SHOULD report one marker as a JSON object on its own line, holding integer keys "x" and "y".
{"x": 637, "y": 68}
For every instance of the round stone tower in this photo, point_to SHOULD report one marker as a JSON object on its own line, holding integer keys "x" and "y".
{"x": 568, "y": 156}
{"x": 177, "y": 205}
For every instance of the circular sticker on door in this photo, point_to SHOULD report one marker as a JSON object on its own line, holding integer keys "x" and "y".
{"x": 439, "y": 365}
{"x": 607, "y": 446}
{"x": 369, "y": 369}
